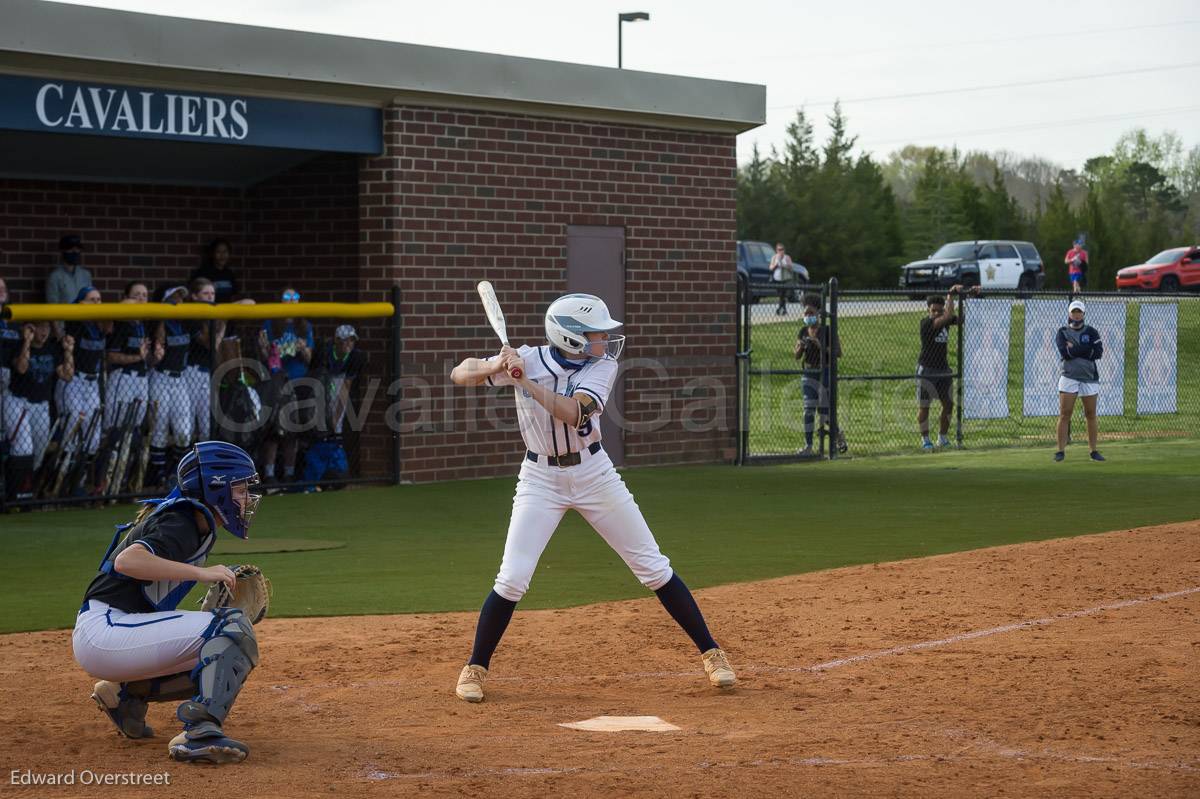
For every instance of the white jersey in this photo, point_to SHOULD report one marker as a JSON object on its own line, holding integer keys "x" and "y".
{"x": 546, "y": 366}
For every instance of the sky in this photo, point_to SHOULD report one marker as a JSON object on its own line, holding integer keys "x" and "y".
{"x": 1059, "y": 79}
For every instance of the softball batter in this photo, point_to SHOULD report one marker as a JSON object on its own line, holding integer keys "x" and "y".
{"x": 560, "y": 395}
{"x": 130, "y": 636}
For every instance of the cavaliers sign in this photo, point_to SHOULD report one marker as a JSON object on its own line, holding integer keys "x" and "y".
{"x": 97, "y": 109}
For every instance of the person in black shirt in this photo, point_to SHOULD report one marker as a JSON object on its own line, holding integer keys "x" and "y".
{"x": 130, "y": 634}
{"x": 935, "y": 378}
{"x": 39, "y": 361}
{"x": 338, "y": 364}
{"x": 813, "y": 349}
{"x": 173, "y": 411}
{"x": 130, "y": 352}
{"x": 217, "y": 270}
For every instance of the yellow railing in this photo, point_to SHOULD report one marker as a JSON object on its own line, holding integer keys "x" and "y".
{"x": 147, "y": 311}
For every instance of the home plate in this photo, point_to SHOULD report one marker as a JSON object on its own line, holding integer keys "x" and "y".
{"x": 622, "y": 724}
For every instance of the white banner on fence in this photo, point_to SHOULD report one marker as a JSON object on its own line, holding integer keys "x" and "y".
{"x": 1158, "y": 332}
{"x": 1109, "y": 320}
{"x": 985, "y": 365}
{"x": 1043, "y": 318}
{"x": 1043, "y": 364}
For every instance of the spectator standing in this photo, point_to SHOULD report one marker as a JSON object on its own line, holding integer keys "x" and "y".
{"x": 198, "y": 374}
{"x": 81, "y": 395}
{"x": 935, "y": 378}
{"x": 1080, "y": 347}
{"x": 130, "y": 354}
{"x": 68, "y": 277}
{"x": 216, "y": 269}
{"x": 1076, "y": 260}
{"x": 815, "y": 350}
{"x": 339, "y": 363}
{"x": 39, "y": 362}
{"x": 781, "y": 273}
{"x": 173, "y": 412}
{"x": 286, "y": 348}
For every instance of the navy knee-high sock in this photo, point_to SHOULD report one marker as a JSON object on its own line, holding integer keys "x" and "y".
{"x": 680, "y": 603}
{"x": 493, "y": 621}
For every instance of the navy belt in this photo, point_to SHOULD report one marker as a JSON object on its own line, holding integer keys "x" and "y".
{"x": 570, "y": 459}
{"x": 172, "y": 374}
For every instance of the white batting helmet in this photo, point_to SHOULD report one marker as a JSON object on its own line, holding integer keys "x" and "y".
{"x": 571, "y": 317}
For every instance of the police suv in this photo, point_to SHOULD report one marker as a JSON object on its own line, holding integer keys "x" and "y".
{"x": 988, "y": 264}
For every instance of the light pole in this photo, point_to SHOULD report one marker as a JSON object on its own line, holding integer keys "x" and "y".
{"x": 630, "y": 16}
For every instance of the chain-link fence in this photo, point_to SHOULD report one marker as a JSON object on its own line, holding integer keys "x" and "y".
{"x": 95, "y": 410}
{"x": 902, "y": 381}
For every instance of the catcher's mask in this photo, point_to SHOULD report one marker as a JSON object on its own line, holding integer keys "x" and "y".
{"x": 209, "y": 473}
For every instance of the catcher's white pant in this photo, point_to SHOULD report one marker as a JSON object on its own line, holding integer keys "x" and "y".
{"x": 197, "y": 382}
{"x": 124, "y": 388}
{"x": 82, "y": 396}
{"x": 28, "y": 434}
{"x": 111, "y": 644}
{"x": 174, "y": 410}
{"x": 545, "y": 493}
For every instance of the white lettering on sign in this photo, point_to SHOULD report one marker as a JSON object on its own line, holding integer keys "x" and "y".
{"x": 120, "y": 111}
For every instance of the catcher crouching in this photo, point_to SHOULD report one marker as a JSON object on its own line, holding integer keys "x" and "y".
{"x": 129, "y": 633}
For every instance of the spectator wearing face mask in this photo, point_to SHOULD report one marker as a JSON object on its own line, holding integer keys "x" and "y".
{"x": 68, "y": 277}
{"x": 815, "y": 349}
{"x": 1080, "y": 347}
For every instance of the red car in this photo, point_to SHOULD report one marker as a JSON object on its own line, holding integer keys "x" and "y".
{"x": 1170, "y": 270}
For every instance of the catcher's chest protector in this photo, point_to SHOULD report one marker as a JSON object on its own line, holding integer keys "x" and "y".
{"x": 162, "y": 594}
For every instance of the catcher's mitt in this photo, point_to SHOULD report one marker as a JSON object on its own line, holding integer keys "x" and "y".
{"x": 253, "y": 594}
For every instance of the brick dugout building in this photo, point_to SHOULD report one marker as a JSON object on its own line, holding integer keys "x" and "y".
{"x": 344, "y": 166}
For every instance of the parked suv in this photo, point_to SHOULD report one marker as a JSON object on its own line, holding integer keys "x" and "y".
{"x": 754, "y": 261}
{"x": 1170, "y": 270}
{"x": 988, "y": 264}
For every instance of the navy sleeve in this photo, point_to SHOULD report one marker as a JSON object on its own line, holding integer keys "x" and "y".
{"x": 1060, "y": 341}
{"x": 1097, "y": 346}
{"x": 172, "y": 534}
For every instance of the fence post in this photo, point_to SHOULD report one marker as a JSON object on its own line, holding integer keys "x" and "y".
{"x": 833, "y": 367}
{"x": 393, "y": 379}
{"x": 958, "y": 405}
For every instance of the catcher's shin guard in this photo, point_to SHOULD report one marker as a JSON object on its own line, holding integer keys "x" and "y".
{"x": 226, "y": 660}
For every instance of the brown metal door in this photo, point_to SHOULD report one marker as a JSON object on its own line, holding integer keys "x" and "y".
{"x": 596, "y": 265}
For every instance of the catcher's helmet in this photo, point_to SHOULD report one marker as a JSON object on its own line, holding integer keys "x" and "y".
{"x": 571, "y": 317}
{"x": 208, "y": 473}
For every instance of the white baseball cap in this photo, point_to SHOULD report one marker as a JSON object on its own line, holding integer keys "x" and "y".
{"x": 1076, "y": 305}
{"x": 345, "y": 331}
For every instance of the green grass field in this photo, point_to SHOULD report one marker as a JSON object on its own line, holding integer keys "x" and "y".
{"x": 437, "y": 547}
{"x": 880, "y": 416}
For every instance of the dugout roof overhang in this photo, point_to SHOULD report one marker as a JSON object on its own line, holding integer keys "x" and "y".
{"x": 81, "y": 46}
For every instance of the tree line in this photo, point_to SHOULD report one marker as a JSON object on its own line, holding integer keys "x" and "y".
{"x": 842, "y": 213}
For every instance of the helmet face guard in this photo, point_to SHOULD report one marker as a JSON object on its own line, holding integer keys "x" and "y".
{"x": 210, "y": 473}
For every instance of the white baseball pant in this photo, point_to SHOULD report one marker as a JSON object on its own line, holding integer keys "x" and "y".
{"x": 33, "y": 433}
{"x": 198, "y": 381}
{"x": 111, "y": 644}
{"x": 173, "y": 411}
{"x": 124, "y": 388}
{"x": 545, "y": 493}
{"x": 82, "y": 396}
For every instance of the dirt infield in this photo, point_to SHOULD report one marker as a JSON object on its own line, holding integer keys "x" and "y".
{"x": 1064, "y": 668}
